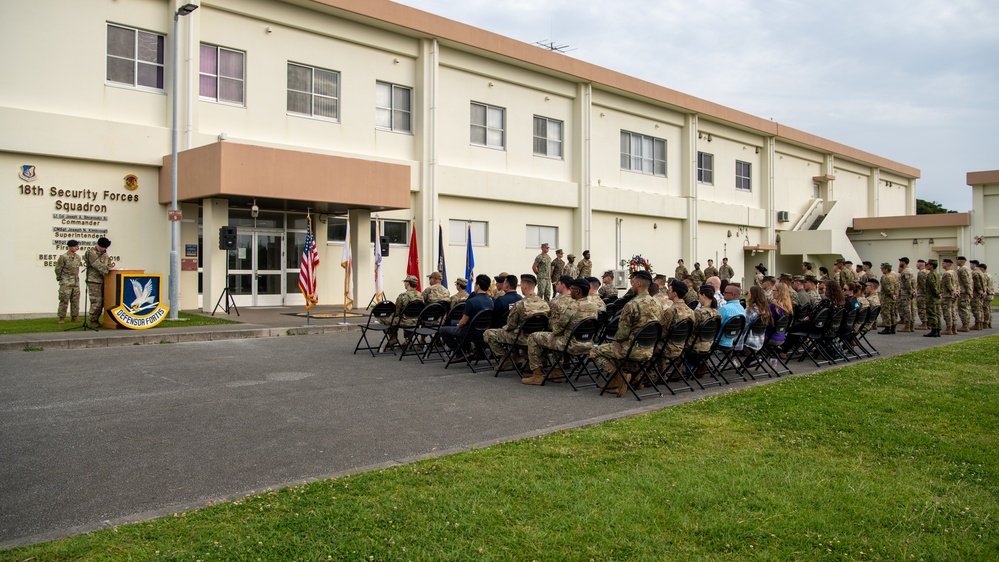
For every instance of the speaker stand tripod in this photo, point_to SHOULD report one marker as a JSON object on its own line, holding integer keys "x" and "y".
{"x": 86, "y": 315}
{"x": 226, "y": 294}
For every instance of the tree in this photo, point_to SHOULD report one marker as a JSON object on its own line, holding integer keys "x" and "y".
{"x": 924, "y": 207}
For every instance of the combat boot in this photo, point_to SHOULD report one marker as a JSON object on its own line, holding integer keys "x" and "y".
{"x": 536, "y": 378}
{"x": 923, "y": 326}
{"x": 76, "y": 319}
{"x": 933, "y": 333}
{"x": 909, "y": 327}
{"x": 963, "y": 328}
{"x": 887, "y": 331}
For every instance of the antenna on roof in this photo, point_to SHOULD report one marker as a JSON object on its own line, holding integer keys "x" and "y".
{"x": 551, "y": 45}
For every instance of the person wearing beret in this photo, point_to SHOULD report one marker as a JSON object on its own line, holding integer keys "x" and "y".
{"x": 98, "y": 264}
{"x": 67, "y": 272}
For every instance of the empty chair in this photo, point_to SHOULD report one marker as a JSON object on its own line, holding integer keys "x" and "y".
{"x": 377, "y": 323}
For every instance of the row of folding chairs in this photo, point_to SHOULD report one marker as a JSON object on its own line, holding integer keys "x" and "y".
{"x": 837, "y": 336}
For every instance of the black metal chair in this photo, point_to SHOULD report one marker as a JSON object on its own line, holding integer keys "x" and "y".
{"x": 826, "y": 344}
{"x": 454, "y": 315}
{"x": 669, "y": 366}
{"x": 608, "y": 327}
{"x": 807, "y": 336}
{"x": 641, "y": 368}
{"x": 773, "y": 347}
{"x": 861, "y": 337}
{"x": 724, "y": 358}
{"x": 377, "y": 323}
{"x": 758, "y": 359}
{"x": 410, "y": 313}
{"x": 572, "y": 361}
{"x": 425, "y": 331}
{"x": 844, "y": 340}
{"x": 533, "y": 323}
{"x": 694, "y": 359}
{"x": 470, "y": 345}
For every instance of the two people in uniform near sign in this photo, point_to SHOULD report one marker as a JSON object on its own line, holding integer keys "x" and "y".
{"x": 67, "y": 271}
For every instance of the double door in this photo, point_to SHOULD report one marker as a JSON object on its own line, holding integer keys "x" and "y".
{"x": 256, "y": 268}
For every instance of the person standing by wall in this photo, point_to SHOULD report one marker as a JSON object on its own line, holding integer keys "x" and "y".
{"x": 67, "y": 272}
{"x": 543, "y": 270}
{"x": 98, "y": 265}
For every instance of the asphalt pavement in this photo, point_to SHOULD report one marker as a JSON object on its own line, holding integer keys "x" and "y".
{"x": 96, "y": 435}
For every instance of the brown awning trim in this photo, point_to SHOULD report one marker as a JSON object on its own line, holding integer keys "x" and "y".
{"x": 761, "y": 248}
{"x": 227, "y": 169}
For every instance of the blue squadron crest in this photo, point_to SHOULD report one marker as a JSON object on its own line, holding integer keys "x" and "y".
{"x": 28, "y": 173}
{"x": 139, "y": 305}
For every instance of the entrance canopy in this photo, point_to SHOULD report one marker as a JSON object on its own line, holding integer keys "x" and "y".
{"x": 232, "y": 171}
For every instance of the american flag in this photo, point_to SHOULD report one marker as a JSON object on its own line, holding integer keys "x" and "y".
{"x": 307, "y": 271}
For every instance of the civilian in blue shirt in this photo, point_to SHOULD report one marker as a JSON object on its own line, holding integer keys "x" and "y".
{"x": 730, "y": 309}
{"x": 476, "y": 303}
{"x": 503, "y": 303}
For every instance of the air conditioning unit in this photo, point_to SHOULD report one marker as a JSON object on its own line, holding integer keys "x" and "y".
{"x": 783, "y": 216}
{"x": 621, "y": 278}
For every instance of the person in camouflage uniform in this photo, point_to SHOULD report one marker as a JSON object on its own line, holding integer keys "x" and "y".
{"x": 871, "y": 292}
{"x": 461, "y": 294}
{"x": 436, "y": 292}
{"x": 710, "y": 270}
{"x": 905, "y": 302}
{"x": 558, "y": 264}
{"x": 990, "y": 293}
{"x": 680, "y": 272}
{"x": 560, "y": 326}
{"x": 863, "y": 304}
{"x": 964, "y": 293}
{"x": 585, "y": 267}
{"x": 759, "y": 274}
{"x": 707, "y": 310}
{"x": 570, "y": 267}
{"x": 543, "y": 270}
{"x": 932, "y": 299}
{"x": 725, "y": 272}
{"x": 67, "y": 272}
{"x": 594, "y": 294}
{"x": 671, "y": 317}
{"x": 921, "y": 274}
{"x": 697, "y": 276}
{"x": 887, "y": 293}
{"x": 98, "y": 264}
{"x": 498, "y": 338}
{"x": 948, "y": 297}
{"x": 977, "y": 294}
{"x": 406, "y": 297}
{"x": 607, "y": 288}
{"x": 639, "y": 311}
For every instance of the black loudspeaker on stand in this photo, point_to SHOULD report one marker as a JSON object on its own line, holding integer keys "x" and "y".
{"x": 227, "y": 242}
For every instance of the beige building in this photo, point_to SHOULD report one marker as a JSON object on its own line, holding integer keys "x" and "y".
{"x": 371, "y": 109}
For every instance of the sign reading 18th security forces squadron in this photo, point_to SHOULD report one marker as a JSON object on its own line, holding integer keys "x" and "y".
{"x": 139, "y": 298}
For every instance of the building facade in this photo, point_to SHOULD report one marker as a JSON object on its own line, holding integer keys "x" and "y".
{"x": 371, "y": 110}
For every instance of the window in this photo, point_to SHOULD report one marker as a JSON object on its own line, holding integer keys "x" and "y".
{"x": 457, "y": 231}
{"x": 313, "y": 91}
{"x": 537, "y": 235}
{"x": 393, "y": 107}
{"x": 743, "y": 175}
{"x": 336, "y": 229}
{"x": 488, "y": 125}
{"x": 135, "y": 58}
{"x": 705, "y": 168}
{"x": 222, "y": 74}
{"x": 643, "y": 154}
{"x": 547, "y": 137}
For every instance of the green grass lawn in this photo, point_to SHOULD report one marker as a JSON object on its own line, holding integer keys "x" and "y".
{"x": 893, "y": 459}
{"x": 36, "y": 325}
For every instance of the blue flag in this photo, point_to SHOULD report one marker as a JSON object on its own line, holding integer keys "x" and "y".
{"x": 440, "y": 255}
{"x": 469, "y": 263}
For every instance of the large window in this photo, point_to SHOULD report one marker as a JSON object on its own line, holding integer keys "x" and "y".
{"x": 135, "y": 58}
{"x": 743, "y": 175}
{"x": 538, "y": 235}
{"x": 488, "y": 125}
{"x": 222, "y": 75}
{"x": 393, "y": 107}
{"x": 705, "y": 168}
{"x": 457, "y": 232}
{"x": 547, "y": 137}
{"x": 313, "y": 91}
{"x": 643, "y": 154}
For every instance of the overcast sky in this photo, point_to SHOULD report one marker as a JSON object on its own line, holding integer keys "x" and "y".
{"x": 916, "y": 81}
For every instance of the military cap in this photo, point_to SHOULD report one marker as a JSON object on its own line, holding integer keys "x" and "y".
{"x": 571, "y": 256}
{"x": 566, "y": 280}
{"x": 873, "y": 280}
{"x": 762, "y": 268}
{"x": 982, "y": 265}
{"x": 961, "y": 258}
{"x": 798, "y": 278}
{"x": 848, "y": 262}
{"x": 529, "y": 277}
{"x": 931, "y": 262}
{"x": 886, "y": 265}
{"x": 678, "y": 287}
{"x": 559, "y": 251}
{"x": 868, "y": 264}
{"x": 501, "y": 277}
{"x": 786, "y": 276}
{"x": 581, "y": 284}
{"x": 948, "y": 260}
{"x": 659, "y": 277}
{"x": 921, "y": 260}
{"x": 839, "y": 261}
{"x": 806, "y": 263}
{"x": 545, "y": 245}
{"x": 435, "y": 275}
{"x": 72, "y": 243}
{"x": 608, "y": 273}
{"x": 643, "y": 275}
{"x": 412, "y": 280}
{"x": 974, "y": 262}
{"x": 103, "y": 242}
{"x": 811, "y": 279}
{"x": 906, "y": 260}
{"x": 585, "y": 252}
{"x": 461, "y": 282}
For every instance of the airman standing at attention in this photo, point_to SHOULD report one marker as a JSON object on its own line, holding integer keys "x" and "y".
{"x": 725, "y": 272}
{"x": 710, "y": 270}
{"x": 585, "y": 267}
{"x": 888, "y": 293}
{"x": 67, "y": 272}
{"x": 964, "y": 291}
{"x": 697, "y": 276}
{"x": 558, "y": 264}
{"x": 948, "y": 297}
{"x": 806, "y": 269}
{"x": 436, "y": 292}
{"x": 680, "y": 272}
{"x": 543, "y": 270}
{"x": 977, "y": 294}
{"x": 932, "y": 289}
{"x": 571, "y": 267}
{"x": 921, "y": 274}
{"x": 98, "y": 264}
{"x": 906, "y": 302}
{"x": 990, "y": 293}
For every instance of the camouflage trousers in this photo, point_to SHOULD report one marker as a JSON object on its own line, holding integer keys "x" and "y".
{"x": 964, "y": 309}
{"x": 906, "y": 309}
{"x": 976, "y": 309}
{"x": 69, "y": 297}
{"x": 921, "y": 304}
{"x": 538, "y": 342}
{"x": 948, "y": 310}
{"x": 932, "y": 313}
{"x": 986, "y": 317}
{"x": 888, "y": 317}
{"x": 606, "y": 355}
{"x": 499, "y": 339}
{"x": 95, "y": 292}
{"x": 545, "y": 289}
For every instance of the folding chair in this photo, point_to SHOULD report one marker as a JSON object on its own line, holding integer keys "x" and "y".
{"x": 725, "y": 357}
{"x": 569, "y": 360}
{"x": 608, "y": 327}
{"x": 376, "y": 323}
{"x": 693, "y": 358}
{"x": 808, "y": 336}
{"x": 427, "y": 325}
{"x": 845, "y": 335}
{"x": 758, "y": 358}
{"x": 454, "y": 315}
{"x": 827, "y": 340}
{"x": 772, "y": 348}
{"x": 646, "y": 339}
{"x": 871, "y": 322}
{"x": 470, "y": 345}
{"x": 672, "y": 367}
{"x": 533, "y": 323}
{"x": 410, "y": 312}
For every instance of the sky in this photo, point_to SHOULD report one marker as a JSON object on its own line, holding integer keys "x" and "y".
{"x": 915, "y": 81}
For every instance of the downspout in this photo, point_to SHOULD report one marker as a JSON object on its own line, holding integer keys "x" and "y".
{"x": 434, "y": 61}
{"x": 587, "y": 167}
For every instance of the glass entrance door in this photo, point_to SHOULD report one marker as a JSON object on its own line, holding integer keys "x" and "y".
{"x": 256, "y": 275}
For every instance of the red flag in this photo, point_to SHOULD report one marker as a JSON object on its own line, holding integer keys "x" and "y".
{"x": 413, "y": 265}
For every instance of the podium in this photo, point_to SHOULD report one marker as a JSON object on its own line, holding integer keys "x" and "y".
{"x": 112, "y": 295}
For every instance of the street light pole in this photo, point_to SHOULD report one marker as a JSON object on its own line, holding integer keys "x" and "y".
{"x": 174, "y": 280}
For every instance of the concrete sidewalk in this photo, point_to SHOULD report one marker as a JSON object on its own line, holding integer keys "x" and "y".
{"x": 260, "y": 322}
